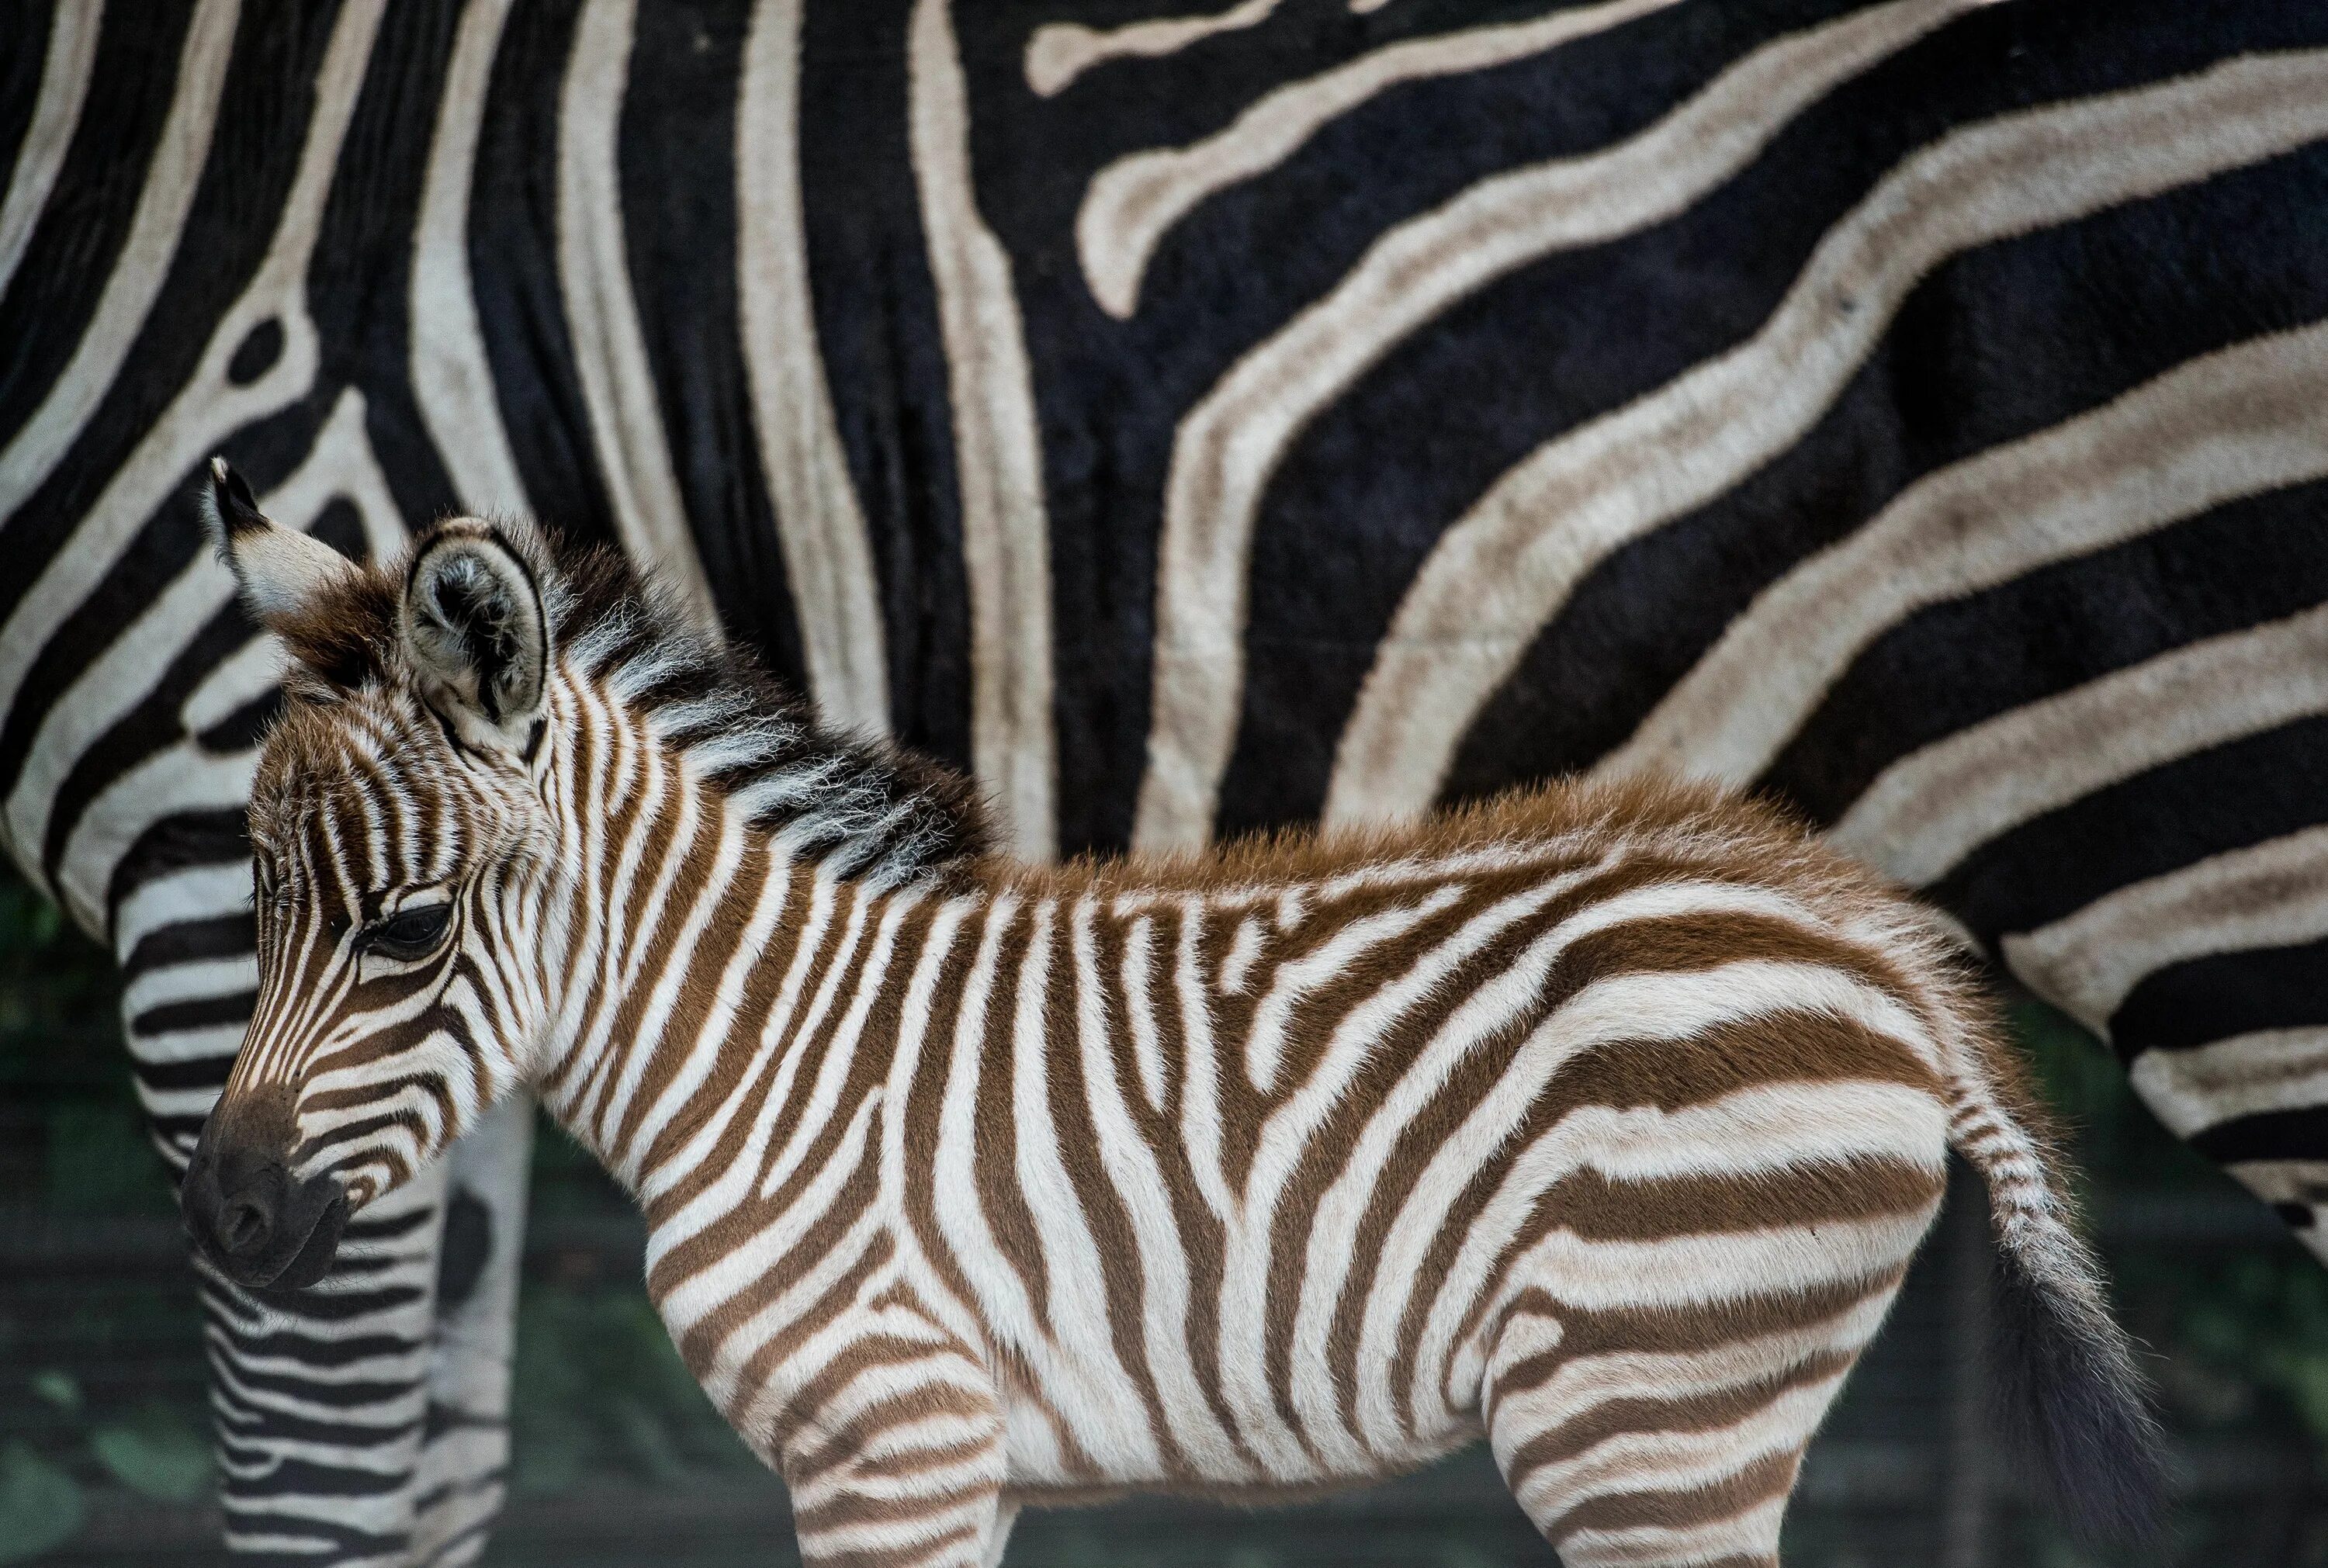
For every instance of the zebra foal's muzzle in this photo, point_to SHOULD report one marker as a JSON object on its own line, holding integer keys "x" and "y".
{"x": 264, "y": 1229}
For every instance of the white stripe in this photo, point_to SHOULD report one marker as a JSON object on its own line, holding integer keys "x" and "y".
{"x": 1138, "y": 1181}
{"x": 863, "y": 979}
{"x": 663, "y": 987}
{"x": 2274, "y": 894}
{"x": 73, "y": 28}
{"x": 1677, "y": 1458}
{"x": 1098, "y": 1392}
{"x": 997, "y": 456}
{"x": 1140, "y": 1009}
{"x": 147, "y": 252}
{"x": 1335, "y": 958}
{"x": 1925, "y": 813}
{"x": 1131, "y": 203}
{"x": 1002, "y": 1296}
{"x": 719, "y": 1021}
{"x": 339, "y": 463}
{"x": 1586, "y": 1381}
{"x": 197, "y": 893}
{"x": 828, "y": 557}
{"x": 2231, "y": 423}
{"x": 1509, "y": 565}
{"x": 610, "y": 352}
{"x": 775, "y": 1030}
{"x": 210, "y": 407}
{"x": 1231, "y": 442}
{"x": 2191, "y": 1090}
{"x": 452, "y": 383}
{"x": 1060, "y": 51}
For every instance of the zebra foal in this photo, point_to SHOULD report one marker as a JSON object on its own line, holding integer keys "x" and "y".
{"x": 1603, "y": 1120}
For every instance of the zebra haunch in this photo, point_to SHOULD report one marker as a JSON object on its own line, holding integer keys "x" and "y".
{"x": 1603, "y": 1120}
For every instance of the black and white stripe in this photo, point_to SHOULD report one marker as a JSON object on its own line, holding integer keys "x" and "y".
{"x": 1194, "y": 423}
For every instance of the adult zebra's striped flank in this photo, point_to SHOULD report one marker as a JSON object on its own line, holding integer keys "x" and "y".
{"x": 1601, "y": 1120}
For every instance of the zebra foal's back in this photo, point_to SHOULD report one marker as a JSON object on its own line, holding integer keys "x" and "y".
{"x": 1602, "y": 1119}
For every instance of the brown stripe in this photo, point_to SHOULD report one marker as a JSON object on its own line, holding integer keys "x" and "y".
{"x": 994, "y": 1163}
{"x": 659, "y": 933}
{"x": 732, "y": 1055}
{"x": 1708, "y": 1326}
{"x": 925, "y": 1103}
{"x": 1204, "y": 1238}
{"x": 1122, "y": 1272}
{"x": 699, "y": 988}
{"x": 1687, "y": 1412}
{"x": 1772, "y": 1476}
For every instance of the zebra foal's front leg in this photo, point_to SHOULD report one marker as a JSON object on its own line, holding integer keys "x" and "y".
{"x": 902, "y": 1466}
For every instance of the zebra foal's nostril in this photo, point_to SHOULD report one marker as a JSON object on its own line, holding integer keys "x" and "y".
{"x": 243, "y": 1226}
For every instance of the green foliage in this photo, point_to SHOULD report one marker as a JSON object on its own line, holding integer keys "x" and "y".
{"x": 100, "y": 1162}
{"x": 41, "y": 1506}
{"x": 2114, "y": 1142}
{"x": 156, "y": 1454}
{"x": 598, "y": 1390}
{"x": 59, "y": 1388}
{"x": 50, "y": 975}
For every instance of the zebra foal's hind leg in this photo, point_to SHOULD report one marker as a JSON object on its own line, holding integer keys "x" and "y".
{"x": 1649, "y": 1436}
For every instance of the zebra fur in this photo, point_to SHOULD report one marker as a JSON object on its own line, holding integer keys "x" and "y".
{"x": 868, "y": 309}
{"x": 1433, "y": 1131}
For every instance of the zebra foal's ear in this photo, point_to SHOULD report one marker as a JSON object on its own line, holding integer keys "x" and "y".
{"x": 477, "y": 635}
{"x": 282, "y": 572}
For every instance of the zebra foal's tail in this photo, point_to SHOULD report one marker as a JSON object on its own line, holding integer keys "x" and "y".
{"x": 2068, "y": 1390}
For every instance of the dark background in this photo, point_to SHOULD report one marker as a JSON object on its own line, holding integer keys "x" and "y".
{"x": 619, "y": 1459}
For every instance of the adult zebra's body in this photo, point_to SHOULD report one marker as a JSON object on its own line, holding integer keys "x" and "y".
{"x": 1174, "y": 478}
{"x": 1604, "y": 1122}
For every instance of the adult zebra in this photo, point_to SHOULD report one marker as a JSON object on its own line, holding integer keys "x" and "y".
{"x": 1911, "y": 408}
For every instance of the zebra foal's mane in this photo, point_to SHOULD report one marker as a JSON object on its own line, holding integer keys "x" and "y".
{"x": 869, "y": 809}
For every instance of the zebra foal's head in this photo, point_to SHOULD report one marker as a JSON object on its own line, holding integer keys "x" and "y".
{"x": 401, "y": 840}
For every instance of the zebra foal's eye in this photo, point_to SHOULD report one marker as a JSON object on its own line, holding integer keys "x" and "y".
{"x": 409, "y": 934}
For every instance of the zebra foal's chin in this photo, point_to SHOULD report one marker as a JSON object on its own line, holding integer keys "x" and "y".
{"x": 1600, "y": 1121}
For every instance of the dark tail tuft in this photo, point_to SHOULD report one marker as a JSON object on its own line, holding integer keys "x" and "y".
{"x": 2071, "y": 1402}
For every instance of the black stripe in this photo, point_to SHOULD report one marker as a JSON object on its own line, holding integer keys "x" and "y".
{"x": 1426, "y": 432}
{"x": 178, "y": 842}
{"x": 191, "y": 940}
{"x": 677, "y": 165}
{"x": 2204, "y": 999}
{"x": 2223, "y": 798}
{"x": 513, "y": 268}
{"x": 191, "y": 1073}
{"x": 263, "y": 113}
{"x": 81, "y": 234}
{"x": 2297, "y": 1134}
{"x": 195, "y": 1013}
{"x": 359, "y": 282}
{"x": 2237, "y": 566}
{"x": 20, "y": 82}
{"x": 884, "y": 359}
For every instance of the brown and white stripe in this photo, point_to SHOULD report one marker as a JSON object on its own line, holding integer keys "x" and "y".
{"x": 1601, "y": 1120}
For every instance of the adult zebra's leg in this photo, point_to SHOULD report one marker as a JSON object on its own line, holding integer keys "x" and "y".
{"x": 320, "y": 1398}
{"x": 464, "y": 1456}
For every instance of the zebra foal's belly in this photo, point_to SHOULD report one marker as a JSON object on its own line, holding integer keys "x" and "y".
{"x": 1609, "y": 1256}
